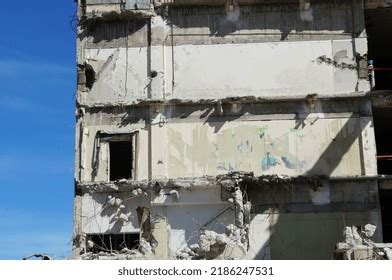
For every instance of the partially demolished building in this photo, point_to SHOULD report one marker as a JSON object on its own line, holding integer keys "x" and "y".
{"x": 231, "y": 129}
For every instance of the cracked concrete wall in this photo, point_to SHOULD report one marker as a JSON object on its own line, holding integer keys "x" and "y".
{"x": 307, "y": 141}
{"x": 186, "y": 54}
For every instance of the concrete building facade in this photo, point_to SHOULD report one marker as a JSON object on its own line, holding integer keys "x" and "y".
{"x": 230, "y": 129}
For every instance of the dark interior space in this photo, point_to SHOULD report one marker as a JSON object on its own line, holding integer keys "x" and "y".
{"x": 113, "y": 242}
{"x": 386, "y": 213}
{"x": 379, "y": 32}
{"x": 121, "y": 159}
{"x": 383, "y": 131}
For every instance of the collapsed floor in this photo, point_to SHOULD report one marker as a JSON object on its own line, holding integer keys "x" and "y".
{"x": 231, "y": 233}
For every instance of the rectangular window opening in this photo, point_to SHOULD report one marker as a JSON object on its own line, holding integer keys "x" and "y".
{"x": 379, "y": 32}
{"x": 121, "y": 155}
{"x": 111, "y": 242}
{"x": 121, "y": 160}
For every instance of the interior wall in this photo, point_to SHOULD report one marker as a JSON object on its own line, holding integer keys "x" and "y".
{"x": 313, "y": 236}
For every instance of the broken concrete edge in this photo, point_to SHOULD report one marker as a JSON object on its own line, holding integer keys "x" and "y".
{"x": 243, "y": 99}
{"x": 117, "y": 12}
{"x": 144, "y": 252}
{"x": 233, "y": 244}
{"x": 358, "y": 245}
{"x": 123, "y": 15}
{"x": 211, "y": 181}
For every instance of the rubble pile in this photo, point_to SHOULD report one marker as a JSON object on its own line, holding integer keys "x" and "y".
{"x": 359, "y": 245}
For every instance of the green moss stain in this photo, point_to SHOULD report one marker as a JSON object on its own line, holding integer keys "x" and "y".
{"x": 262, "y": 132}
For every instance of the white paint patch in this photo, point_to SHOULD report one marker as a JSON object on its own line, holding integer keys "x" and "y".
{"x": 233, "y": 13}
{"x": 307, "y": 15}
{"x": 321, "y": 196}
{"x": 158, "y": 21}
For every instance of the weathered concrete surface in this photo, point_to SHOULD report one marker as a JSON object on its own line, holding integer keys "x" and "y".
{"x": 195, "y": 53}
{"x": 200, "y": 72}
{"x": 189, "y": 84}
{"x": 203, "y": 214}
{"x": 360, "y": 244}
{"x": 315, "y": 233}
{"x": 309, "y": 141}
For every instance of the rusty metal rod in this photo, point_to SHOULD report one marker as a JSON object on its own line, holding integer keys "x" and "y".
{"x": 386, "y": 157}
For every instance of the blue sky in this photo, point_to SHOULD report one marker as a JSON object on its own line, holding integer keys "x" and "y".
{"x": 37, "y": 100}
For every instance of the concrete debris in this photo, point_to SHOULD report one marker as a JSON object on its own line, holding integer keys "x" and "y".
{"x": 369, "y": 230}
{"x": 119, "y": 15}
{"x": 117, "y": 204}
{"x": 227, "y": 181}
{"x": 145, "y": 247}
{"x": 358, "y": 245}
{"x": 90, "y": 244}
{"x": 230, "y": 245}
{"x": 388, "y": 253}
{"x": 145, "y": 251}
{"x": 121, "y": 217}
{"x": 125, "y": 254}
{"x": 239, "y": 207}
{"x": 112, "y": 201}
{"x": 189, "y": 253}
{"x": 234, "y": 243}
{"x": 136, "y": 188}
{"x": 194, "y": 247}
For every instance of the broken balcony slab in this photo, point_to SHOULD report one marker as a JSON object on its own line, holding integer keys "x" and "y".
{"x": 227, "y": 181}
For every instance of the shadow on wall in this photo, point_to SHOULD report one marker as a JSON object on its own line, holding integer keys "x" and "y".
{"x": 106, "y": 31}
{"x": 339, "y": 146}
{"x": 278, "y": 18}
{"x": 299, "y": 231}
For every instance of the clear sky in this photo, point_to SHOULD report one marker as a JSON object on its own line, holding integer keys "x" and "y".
{"x": 37, "y": 100}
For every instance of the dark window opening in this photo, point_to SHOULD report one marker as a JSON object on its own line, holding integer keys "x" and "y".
{"x": 121, "y": 159}
{"x": 383, "y": 132}
{"x": 112, "y": 242}
{"x": 386, "y": 213}
{"x": 379, "y": 32}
